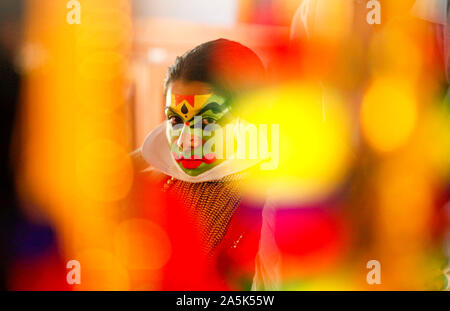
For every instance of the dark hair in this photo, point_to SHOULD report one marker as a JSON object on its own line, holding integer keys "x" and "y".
{"x": 230, "y": 67}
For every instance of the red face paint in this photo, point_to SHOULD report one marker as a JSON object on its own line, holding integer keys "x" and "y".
{"x": 192, "y": 163}
{"x": 209, "y": 158}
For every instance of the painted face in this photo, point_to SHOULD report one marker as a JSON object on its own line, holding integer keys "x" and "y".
{"x": 191, "y": 122}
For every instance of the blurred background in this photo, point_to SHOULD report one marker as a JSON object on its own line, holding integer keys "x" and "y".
{"x": 364, "y": 136}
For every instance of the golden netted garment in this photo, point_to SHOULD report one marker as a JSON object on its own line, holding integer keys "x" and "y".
{"x": 212, "y": 204}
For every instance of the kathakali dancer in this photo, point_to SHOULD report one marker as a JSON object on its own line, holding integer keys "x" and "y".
{"x": 201, "y": 89}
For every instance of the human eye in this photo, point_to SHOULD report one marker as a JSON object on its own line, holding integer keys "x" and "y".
{"x": 208, "y": 120}
{"x": 174, "y": 120}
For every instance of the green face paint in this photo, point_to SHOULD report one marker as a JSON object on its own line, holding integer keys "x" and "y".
{"x": 192, "y": 120}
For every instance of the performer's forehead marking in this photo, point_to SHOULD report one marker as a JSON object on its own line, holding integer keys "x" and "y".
{"x": 187, "y": 106}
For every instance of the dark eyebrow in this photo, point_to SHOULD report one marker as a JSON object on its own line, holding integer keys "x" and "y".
{"x": 214, "y": 107}
{"x": 171, "y": 110}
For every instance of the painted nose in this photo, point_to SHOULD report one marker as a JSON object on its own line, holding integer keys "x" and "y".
{"x": 188, "y": 141}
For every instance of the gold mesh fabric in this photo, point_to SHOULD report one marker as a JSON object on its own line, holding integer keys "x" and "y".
{"x": 212, "y": 205}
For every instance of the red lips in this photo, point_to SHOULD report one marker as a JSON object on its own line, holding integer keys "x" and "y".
{"x": 192, "y": 163}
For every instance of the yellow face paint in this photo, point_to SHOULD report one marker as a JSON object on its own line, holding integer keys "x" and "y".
{"x": 187, "y": 106}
